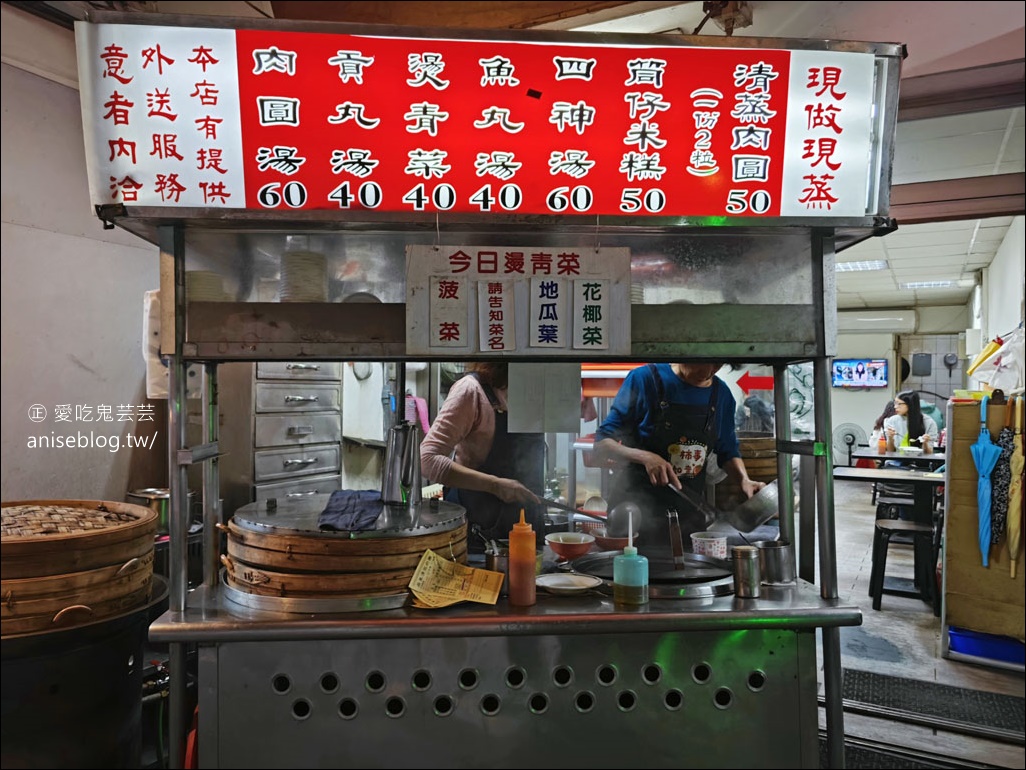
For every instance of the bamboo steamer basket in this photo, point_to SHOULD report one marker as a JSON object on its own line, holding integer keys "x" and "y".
{"x": 282, "y": 553}
{"x": 69, "y": 562}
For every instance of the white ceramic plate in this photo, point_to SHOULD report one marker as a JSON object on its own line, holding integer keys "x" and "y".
{"x": 910, "y": 450}
{"x": 570, "y": 583}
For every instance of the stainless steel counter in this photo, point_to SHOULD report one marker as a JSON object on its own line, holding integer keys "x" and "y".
{"x": 572, "y": 680}
{"x": 210, "y": 619}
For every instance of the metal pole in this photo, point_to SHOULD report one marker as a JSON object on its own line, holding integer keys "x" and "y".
{"x": 211, "y": 481}
{"x": 785, "y": 479}
{"x": 172, "y": 292}
{"x": 828, "y": 563}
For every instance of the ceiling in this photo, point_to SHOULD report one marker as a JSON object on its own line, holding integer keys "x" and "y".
{"x": 958, "y": 170}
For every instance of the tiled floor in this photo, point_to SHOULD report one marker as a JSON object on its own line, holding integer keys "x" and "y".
{"x": 903, "y": 638}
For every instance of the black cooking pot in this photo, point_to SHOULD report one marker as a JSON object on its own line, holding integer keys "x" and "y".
{"x": 73, "y": 698}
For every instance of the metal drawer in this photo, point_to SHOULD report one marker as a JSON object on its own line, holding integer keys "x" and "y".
{"x": 299, "y": 370}
{"x": 291, "y": 429}
{"x": 274, "y": 464}
{"x": 289, "y": 397}
{"x": 291, "y": 490}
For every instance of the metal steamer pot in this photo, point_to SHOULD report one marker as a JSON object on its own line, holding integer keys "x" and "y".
{"x": 159, "y": 500}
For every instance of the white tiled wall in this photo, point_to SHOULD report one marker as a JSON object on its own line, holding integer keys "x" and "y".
{"x": 938, "y": 381}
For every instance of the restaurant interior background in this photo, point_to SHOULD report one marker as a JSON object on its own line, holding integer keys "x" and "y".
{"x": 72, "y": 296}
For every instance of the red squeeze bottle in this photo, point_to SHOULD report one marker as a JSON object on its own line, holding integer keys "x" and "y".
{"x": 522, "y": 562}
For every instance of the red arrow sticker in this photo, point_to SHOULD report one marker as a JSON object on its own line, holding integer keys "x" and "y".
{"x": 748, "y": 383}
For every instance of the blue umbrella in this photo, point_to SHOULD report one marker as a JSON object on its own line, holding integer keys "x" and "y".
{"x": 985, "y": 456}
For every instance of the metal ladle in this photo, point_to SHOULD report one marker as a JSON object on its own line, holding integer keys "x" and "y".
{"x": 616, "y": 521}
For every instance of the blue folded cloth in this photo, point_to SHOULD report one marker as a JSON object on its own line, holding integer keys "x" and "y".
{"x": 351, "y": 510}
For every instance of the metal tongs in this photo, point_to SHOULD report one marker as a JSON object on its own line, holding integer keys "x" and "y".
{"x": 676, "y": 540}
{"x": 699, "y": 503}
{"x": 570, "y": 509}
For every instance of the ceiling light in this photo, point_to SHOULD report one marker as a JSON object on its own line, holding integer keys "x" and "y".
{"x": 869, "y": 264}
{"x": 928, "y": 285}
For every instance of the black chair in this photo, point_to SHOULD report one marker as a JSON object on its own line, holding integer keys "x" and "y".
{"x": 926, "y": 548}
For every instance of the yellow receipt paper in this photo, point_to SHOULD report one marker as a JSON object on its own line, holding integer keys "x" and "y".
{"x": 438, "y": 582}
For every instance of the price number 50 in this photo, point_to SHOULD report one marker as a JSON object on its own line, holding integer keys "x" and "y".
{"x": 741, "y": 201}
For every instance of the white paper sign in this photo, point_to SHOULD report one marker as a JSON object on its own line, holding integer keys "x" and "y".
{"x": 536, "y": 313}
{"x": 495, "y": 320}
{"x": 591, "y": 314}
{"x": 549, "y": 321}
{"x": 450, "y": 312}
{"x": 544, "y": 398}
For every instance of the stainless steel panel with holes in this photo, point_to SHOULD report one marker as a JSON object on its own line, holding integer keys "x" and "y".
{"x": 273, "y": 464}
{"x": 289, "y": 429}
{"x": 289, "y": 490}
{"x": 563, "y": 700}
{"x": 298, "y": 370}
{"x": 288, "y": 397}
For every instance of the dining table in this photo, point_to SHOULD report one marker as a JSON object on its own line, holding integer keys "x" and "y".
{"x": 924, "y": 485}
{"x": 924, "y": 491}
{"x": 933, "y": 460}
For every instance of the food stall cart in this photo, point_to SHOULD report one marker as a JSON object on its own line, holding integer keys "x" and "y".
{"x": 682, "y": 197}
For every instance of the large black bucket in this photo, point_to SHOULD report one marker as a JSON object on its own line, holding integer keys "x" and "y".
{"x": 73, "y": 698}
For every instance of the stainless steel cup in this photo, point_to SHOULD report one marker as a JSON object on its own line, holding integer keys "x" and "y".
{"x": 776, "y": 561}
{"x": 499, "y": 562}
{"x": 747, "y": 575}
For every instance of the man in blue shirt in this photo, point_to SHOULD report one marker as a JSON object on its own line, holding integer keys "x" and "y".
{"x": 664, "y": 422}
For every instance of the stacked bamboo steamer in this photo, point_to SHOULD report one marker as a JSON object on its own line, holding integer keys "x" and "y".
{"x": 282, "y": 553}
{"x": 67, "y": 563}
{"x": 760, "y": 457}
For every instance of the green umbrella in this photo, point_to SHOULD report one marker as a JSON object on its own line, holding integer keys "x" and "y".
{"x": 985, "y": 456}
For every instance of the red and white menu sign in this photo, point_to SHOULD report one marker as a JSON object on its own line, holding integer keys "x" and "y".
{"x": 283, "y": 120}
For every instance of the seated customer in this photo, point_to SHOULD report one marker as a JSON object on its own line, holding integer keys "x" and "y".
{"x": 908, "y": 426}
{"x": 878, "y": 426}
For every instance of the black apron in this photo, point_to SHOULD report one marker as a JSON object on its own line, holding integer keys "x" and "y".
{"x": 685, "y": 434}
{"x": 519, "y": 456}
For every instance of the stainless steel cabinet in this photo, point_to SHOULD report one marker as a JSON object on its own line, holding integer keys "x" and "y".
{"x": 282, "y": 430}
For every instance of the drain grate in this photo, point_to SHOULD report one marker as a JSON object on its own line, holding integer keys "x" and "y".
{"x": 957, "y": 704}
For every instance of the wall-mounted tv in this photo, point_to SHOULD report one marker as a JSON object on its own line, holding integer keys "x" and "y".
{"x": 859, "y": 373}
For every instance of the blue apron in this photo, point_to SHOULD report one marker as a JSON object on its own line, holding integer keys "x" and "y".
{"x": 685, "y": 434}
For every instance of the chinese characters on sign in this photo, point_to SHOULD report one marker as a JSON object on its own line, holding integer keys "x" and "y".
{"x": 449, "y": 312}
{"x": 284, "y": 120}
{"x": 826, "y": 132}
{"x": 528, "y": 299}
{"x": 165, "y": 127}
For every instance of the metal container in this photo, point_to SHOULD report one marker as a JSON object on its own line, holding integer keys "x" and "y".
{"x": 159, "y": 500}
{"x": 755, "y": 511}
{"x": 400, "y": 482}
{"x": 776, "y": 561}
{"x": 747, "y": 575}
{"x": 498, "y": 561}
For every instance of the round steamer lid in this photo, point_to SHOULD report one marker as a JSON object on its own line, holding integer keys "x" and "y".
{"x": 300, "y": 516}
{"x": 42, "y": 520}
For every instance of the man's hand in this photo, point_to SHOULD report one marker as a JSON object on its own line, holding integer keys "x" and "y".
{"x": 750, "y": 487}
{"x": 660, "y": 472}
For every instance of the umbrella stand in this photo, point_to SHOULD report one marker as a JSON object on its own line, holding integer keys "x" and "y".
{"x": 1015, "y": 496}
{"x": 985, "y": 456}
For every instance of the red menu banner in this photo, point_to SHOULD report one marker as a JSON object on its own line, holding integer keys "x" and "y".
{"x": 283, "y": 120}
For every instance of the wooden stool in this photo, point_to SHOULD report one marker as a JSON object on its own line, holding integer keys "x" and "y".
{"x": 922, "y": 543}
